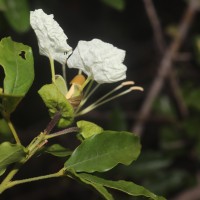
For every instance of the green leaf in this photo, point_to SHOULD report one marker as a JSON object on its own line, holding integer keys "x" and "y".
{"x": 55, "y": 101}
{"x": 61, "y": 84}
{"x": 58, "y": 150}
{"x": 17, "y": 62}
{"x": 116, "y": 4}
{"x": 100, "y": 188}
{"x": 17, "y": 14}
{"x": 121, "y": 185}
{"x": 10, "y": 102}
{"x": 10, "y": 153}
{"x": 88, "y": 129}
{"x": 104, "y": 151}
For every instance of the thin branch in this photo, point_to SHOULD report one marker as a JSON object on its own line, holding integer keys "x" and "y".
{"x": 165, "y": 66}
{"x": 52, "y": 123}
{"x": 155, "y": 23}
{"x": 63, "y": 132}
{"x": 160, "y": 42}
{"x": 11, "y": 126}
{"x": 190, "y": 194}
{"x": 37, "y": 178}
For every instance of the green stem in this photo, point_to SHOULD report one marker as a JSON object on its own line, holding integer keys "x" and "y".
{"x": 52, "y": 69}
{"x": 11, "y": 174}
{"x": 12, "y": 128}
{"x": 32, "y": 149}
{"x": 27, "y": 180}
{"x": 14, "y": 132}
{"x": 88, "y": 89}
{"x": 64, "y": 74}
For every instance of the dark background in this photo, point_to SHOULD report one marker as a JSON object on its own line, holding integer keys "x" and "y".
{"x": 169, "y": 162}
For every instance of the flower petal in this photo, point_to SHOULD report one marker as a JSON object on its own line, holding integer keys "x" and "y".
{"x": 52, "y": 41}
{"x": 100, "y": 60}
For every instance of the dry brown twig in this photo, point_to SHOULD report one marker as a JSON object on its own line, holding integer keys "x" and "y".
{"x": 155, "y": 24}
{"x": 160, "y": 43}
{"x": 191, "y": 194}
{"x": 165, "y": 64}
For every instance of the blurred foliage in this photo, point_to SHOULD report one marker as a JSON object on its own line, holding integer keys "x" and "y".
{"x": 5, "y": 133}
{"x": 117, "y": 119}
{"x": 116, "y": 4}
{"x": 16, "y": 12}
{"x": 179, "y": 141}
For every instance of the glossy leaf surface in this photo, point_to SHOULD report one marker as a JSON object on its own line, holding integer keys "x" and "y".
{"x": 104, "y": 151}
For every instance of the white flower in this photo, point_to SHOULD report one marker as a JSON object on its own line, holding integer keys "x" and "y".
{"x": 99, "y": 60}
{"x": 52, "y": 41}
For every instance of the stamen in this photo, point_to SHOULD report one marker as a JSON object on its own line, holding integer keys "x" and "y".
{"x": 88, "y": 89}
{"x": 99, "y": 102}
{"x": 86, "y": 82}
{"x": 79, "y": 71}
{"x": 128, "y": 83}
{"x": 85, "y": 98}
{"x": 137, "y": 88}
{"x": 64, "y": 74}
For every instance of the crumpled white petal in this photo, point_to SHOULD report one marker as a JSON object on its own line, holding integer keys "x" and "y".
{"x": 102, "y": 61}
{"x": 52, "y": 40}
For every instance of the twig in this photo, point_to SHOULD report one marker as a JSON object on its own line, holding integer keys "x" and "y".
{"x": 191, "y": 194}
{"x": 155, "y": 23}
{"x": 63, "y": 132}
{"x": 165, "y": 66}
{"x": 53, "y": 122}
{"x": 160, "y": 42}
